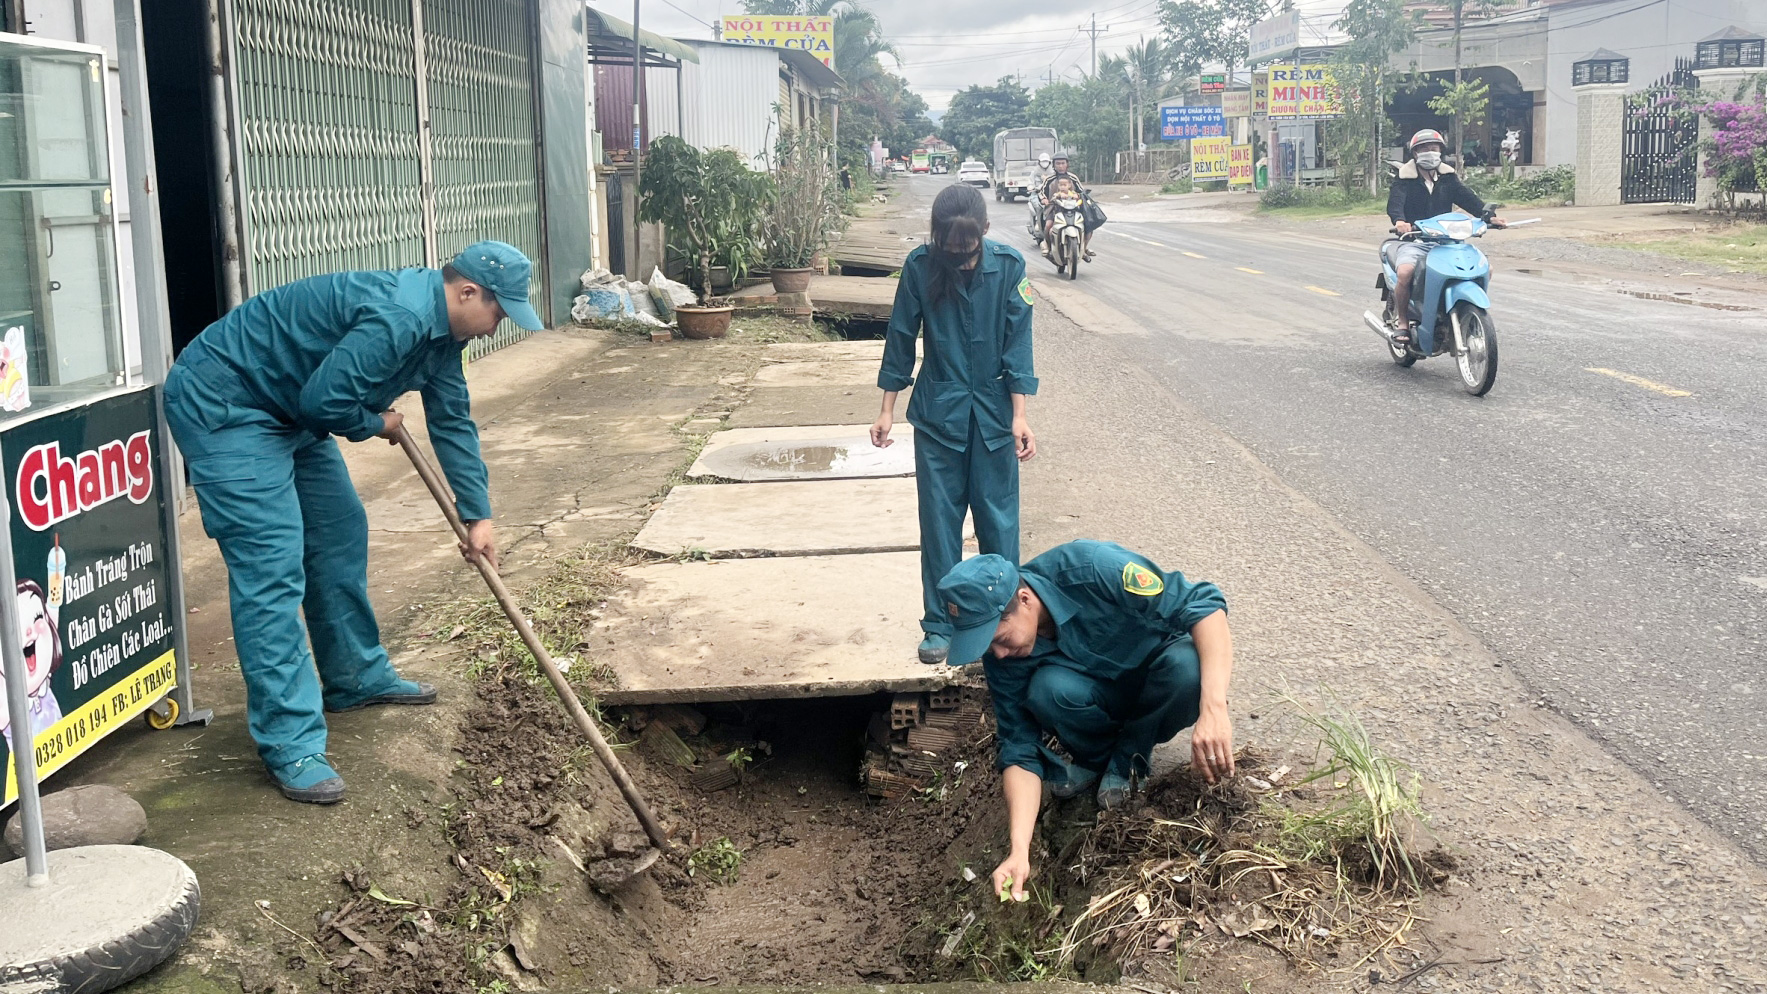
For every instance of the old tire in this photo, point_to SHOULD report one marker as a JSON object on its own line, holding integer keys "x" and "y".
{"x": 118, "y": 912}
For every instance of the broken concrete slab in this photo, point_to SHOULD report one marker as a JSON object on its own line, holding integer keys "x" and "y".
{"x": 837, "y": 372}
{"x": 798, "y": 518}
{"x": 804, "y": 452}
{"x": 758, "y": 629}
{"x": 869, "y": 349}
{"x": 776, "y": 406}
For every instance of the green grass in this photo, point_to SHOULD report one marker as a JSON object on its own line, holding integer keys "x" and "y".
{"x": 1306, "y": 202}
{"x": 1738, "y": 248}
{"x": 719, "y": 861}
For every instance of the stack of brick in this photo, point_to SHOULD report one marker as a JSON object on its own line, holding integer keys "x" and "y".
{"x": 906, "y": 746}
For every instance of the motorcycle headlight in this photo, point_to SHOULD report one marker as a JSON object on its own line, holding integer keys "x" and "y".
{"x": 1458, "y": 230}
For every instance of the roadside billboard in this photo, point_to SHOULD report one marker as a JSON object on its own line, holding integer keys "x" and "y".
{"x": 1178, "y": 122}
{"x": 89, "y": 547}
{"x": 1208, "y": 159}
{"x": 812, "y": 34}
{"x": 1211, "y": 82}
{"x": 1236, "y": 103}
{"x": 1239, "y": 165}
{"x": 1260, "y": 94}
{"x": 1274, "y": 37}
{"x": 1303, "y": 91}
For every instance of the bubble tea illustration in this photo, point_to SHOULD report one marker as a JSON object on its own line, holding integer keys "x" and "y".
{"x": 57, "y": 576}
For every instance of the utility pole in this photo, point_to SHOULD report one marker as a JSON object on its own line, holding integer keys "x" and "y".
{"x": 637, "y": 135}
{"x": 1095, "y": 31}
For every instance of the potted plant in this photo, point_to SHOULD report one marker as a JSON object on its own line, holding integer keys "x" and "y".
{"x": 712, "y": 206}
{"x": 806, "y": 211}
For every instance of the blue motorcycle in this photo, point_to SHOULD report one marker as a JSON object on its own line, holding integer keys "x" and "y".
{"x": 1450, "y": 305}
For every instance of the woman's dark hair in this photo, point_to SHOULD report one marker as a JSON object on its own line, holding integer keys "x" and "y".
{"x": 959, "y": 217}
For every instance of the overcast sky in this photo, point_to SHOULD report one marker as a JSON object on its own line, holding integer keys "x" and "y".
{"x": 947, "y": 45}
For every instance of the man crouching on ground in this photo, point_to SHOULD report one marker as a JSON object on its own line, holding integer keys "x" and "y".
{"x": 1099, "y": 647}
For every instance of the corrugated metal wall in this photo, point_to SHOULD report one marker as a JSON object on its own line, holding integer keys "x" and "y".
{"x": 730, "y": 99}
{"x": 331, "y": 160}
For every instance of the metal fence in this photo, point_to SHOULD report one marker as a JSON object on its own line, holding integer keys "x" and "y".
{"x": 334, "y": 162}
{"x": 1659, "y": 155}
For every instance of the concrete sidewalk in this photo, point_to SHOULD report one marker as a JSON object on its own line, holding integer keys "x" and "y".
{"x": 579, "y": 433}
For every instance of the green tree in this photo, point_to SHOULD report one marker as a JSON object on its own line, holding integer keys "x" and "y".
{"x": 1145, "y": 73}
{"x": 1204, "y": 32}
{"x": 980, "y": 111}
{"x": 1465, "y": 103}
{"x": 1089, "y": 118}
{"x": 1365, "y": 83}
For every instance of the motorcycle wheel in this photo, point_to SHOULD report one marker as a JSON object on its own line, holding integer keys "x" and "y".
{"x": 1478, "y": 364}
{"x": 1400, "y": 353}
{"x": 1073, "y": 258}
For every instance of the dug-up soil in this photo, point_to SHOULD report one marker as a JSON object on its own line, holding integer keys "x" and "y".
{"x": 830, "y": 886}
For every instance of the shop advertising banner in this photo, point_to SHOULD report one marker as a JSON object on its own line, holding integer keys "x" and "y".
{"x": 1261, "y": 94}
{"x": 1236, "y": 103}
{"x": 1180, "y": 122}
{"x": 1274, "y": 37}
{"x": 1208, "y": 159}
{"x": 1211, "y": 82}
{"x": 89, "y": 548}
{"x": 1239, "y": 165}
{"x": 1303, "y": 91}
{"x": 812, "y": 34}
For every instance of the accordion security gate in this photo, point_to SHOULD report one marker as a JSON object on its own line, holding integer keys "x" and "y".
{"x": 335, "y": 169}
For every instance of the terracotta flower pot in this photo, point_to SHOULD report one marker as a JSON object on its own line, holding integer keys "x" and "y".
{"x": 791, "y": 280}
{"x": 697, "y": 321}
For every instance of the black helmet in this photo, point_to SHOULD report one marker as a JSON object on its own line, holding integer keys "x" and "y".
{"x": 1060, "y": 154}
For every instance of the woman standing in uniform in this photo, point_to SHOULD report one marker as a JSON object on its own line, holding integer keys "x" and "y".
{"x": 971, "y": 298}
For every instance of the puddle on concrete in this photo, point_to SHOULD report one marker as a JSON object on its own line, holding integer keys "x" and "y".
{"x": 811, "y": 459}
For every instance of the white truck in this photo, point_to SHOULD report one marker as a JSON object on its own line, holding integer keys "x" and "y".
{"x": 1015, "y": 160}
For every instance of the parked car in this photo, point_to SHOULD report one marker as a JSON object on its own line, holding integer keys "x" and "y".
{"x": 898, "y": 166}
{"x": 974, "y": 173}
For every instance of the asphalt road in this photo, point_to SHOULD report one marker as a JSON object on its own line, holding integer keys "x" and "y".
{"x": 1599, "y": 519}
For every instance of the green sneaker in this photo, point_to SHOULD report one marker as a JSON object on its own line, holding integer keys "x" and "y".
{"x": 310, "y": 780}
{"x": 1112, "y": 791}
{"x": 934, "y": 648}
{"x": 403, "y": 692}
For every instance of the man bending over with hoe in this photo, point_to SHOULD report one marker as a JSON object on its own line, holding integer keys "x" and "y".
{"x": 254, "y": 402}
{"x": 1099, "y": 647}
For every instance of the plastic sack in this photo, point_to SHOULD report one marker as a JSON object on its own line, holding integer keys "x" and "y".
{"x": 601, "y": 302}
{"x": 668, "y": 294}
{"x": 642, "y": 304}
{"x": 597, "y": 277}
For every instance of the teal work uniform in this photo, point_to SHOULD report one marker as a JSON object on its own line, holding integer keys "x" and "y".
{"x": 253, "y": 403}
{"x": 1121, "y": 674}
{"x": 977, "y": 355}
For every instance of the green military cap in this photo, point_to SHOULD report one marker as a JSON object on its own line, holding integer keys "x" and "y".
{"x": 976, "y": 593}
{"x": 502, "y": 269}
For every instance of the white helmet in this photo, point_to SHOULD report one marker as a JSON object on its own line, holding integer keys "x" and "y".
{"x": 1043, "y": 159}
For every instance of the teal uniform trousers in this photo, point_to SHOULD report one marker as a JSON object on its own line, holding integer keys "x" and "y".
{"x": 253, "y": 403}
{"x": 977, "y": 346}
{"x": 1121, "y": 674}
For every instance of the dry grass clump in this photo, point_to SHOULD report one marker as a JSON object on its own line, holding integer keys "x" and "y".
{"x": 1301, "y": 864}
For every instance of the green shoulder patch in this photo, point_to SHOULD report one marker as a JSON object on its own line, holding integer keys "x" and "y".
{"x": 1138, "y": 579}
{"x": 1024, "y": 290}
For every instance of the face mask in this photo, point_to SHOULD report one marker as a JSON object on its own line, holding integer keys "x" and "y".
{"x": 1429, "y": 160}
{"x": 956, "y": 260}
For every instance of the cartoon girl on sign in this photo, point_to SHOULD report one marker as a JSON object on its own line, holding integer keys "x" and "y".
{"x": 41, "y": 640}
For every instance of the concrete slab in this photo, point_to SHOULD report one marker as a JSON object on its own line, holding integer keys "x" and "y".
{"x": 854, "y": 296}
{"x": 869, "y": 349}
{"x": 804, "y": 452}
{"x": 804, "y": 518}
{"x": 775, "y": 406}
{"x": 756, "y": 629}
{"x": 841, "y": 372}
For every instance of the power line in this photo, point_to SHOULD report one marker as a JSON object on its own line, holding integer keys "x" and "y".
{"x": 691, "y": 14}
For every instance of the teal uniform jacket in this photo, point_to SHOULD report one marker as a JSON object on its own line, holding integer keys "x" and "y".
{"x": 978, "y": 348}
{"x": 1115, "y": 612}
{"x": 330, "y": 353}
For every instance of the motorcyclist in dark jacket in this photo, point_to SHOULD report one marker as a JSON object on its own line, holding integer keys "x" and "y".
{"x": 1048, "y": 192}
{"x": 1426, "y": 187}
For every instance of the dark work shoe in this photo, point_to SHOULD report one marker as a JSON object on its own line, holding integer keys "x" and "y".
{"x": 404, "y": 692}
{"x": 1112, "y": 791}
{"x": 310, "y": 780}
{"x": 1075, "y": 782}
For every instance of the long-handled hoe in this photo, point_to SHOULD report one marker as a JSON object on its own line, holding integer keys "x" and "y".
{"x": 439, "y": 490}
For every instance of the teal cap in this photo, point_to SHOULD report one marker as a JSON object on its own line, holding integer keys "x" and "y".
{"x": 502, "y": 269}
{"x": 976, "y": 594}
